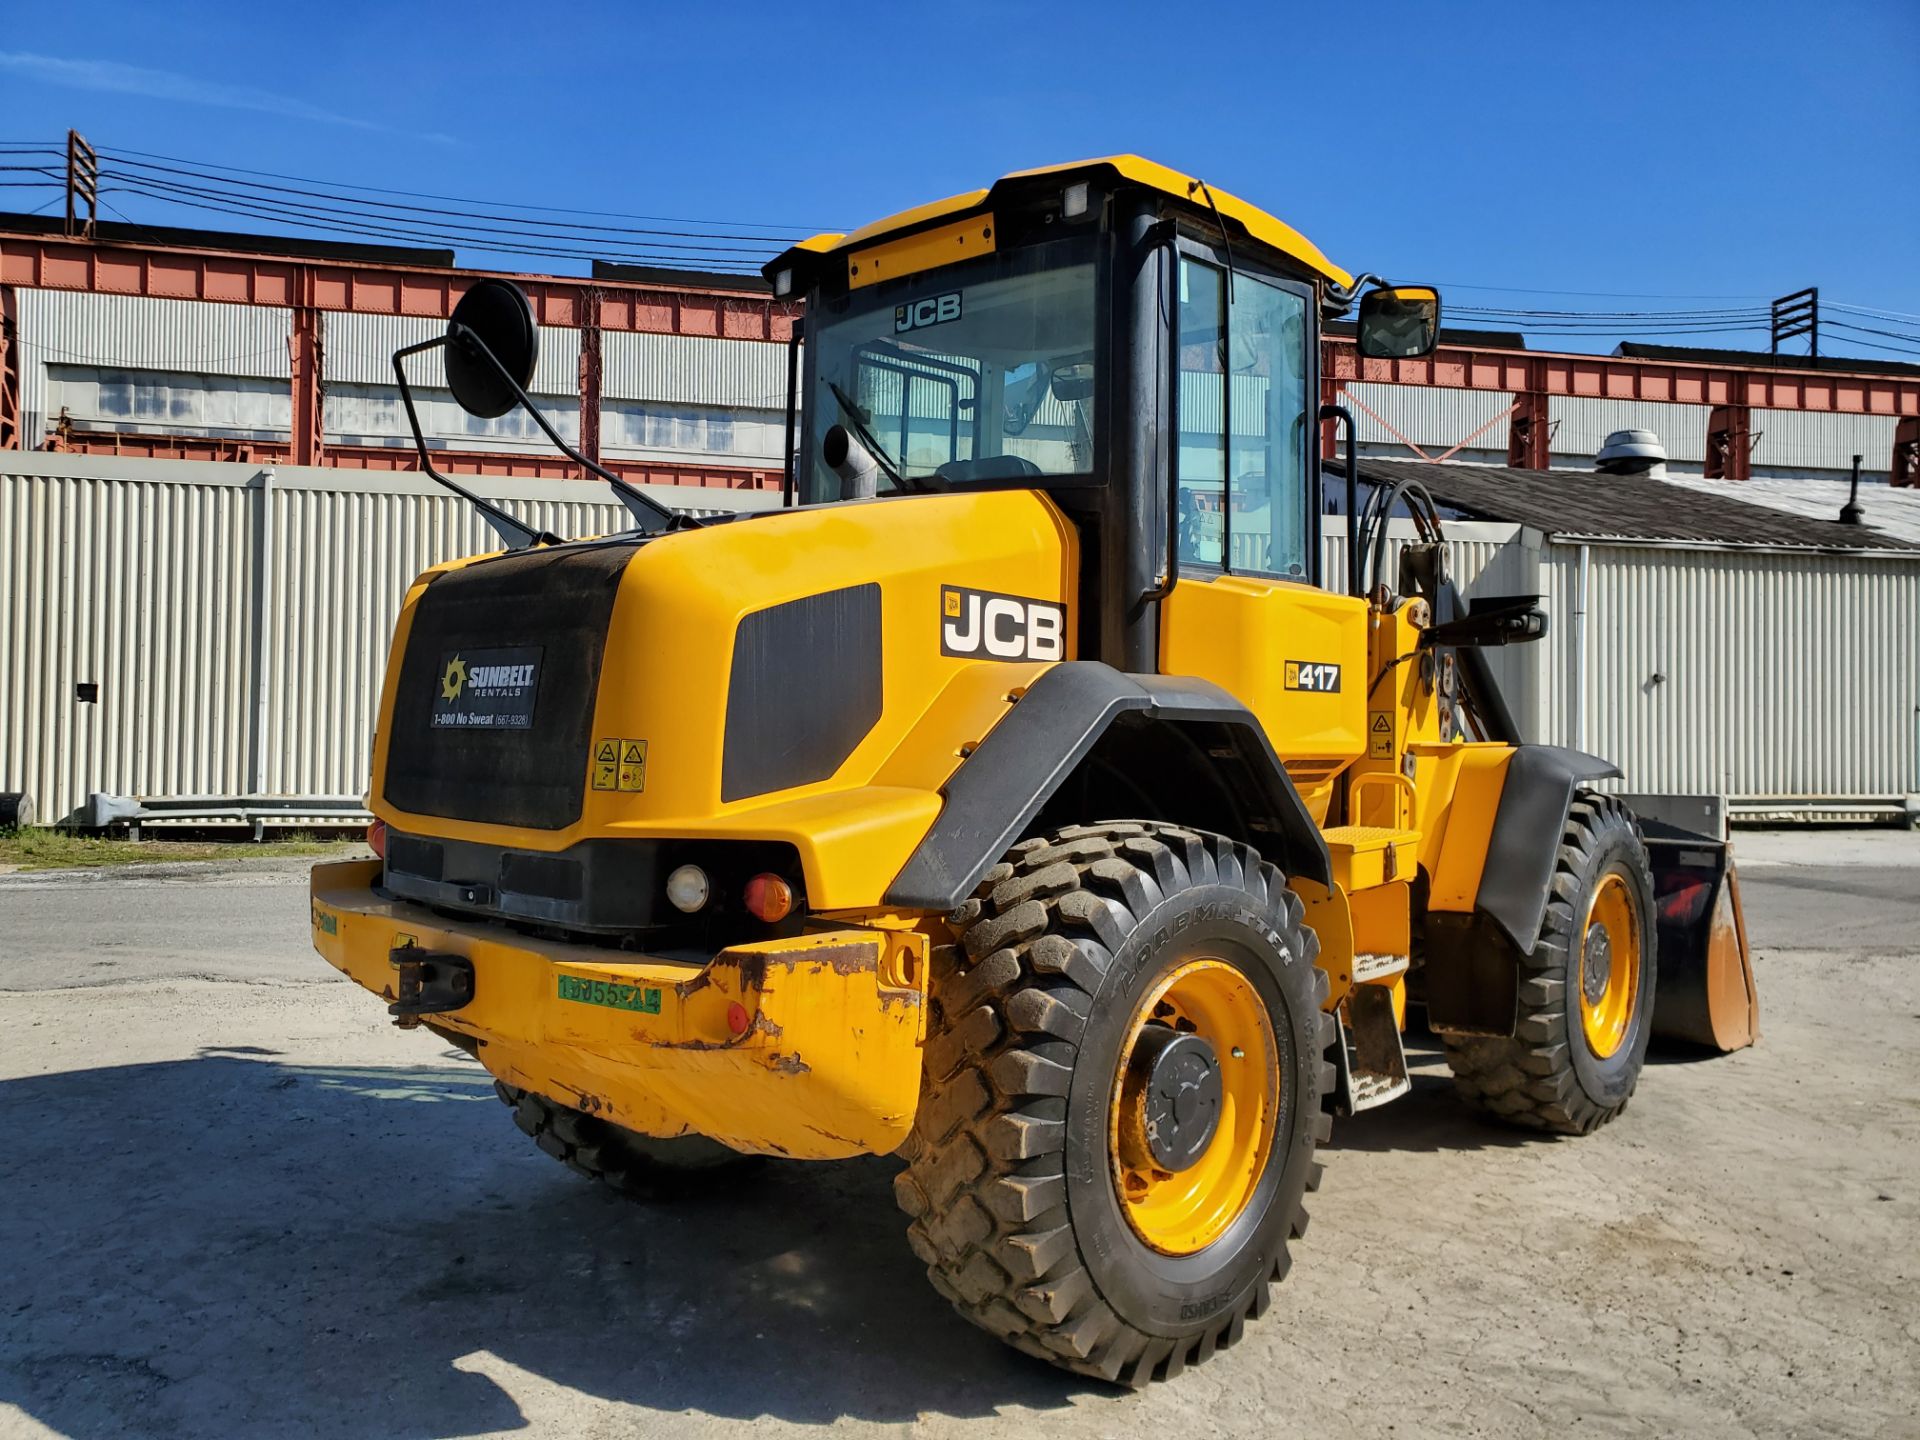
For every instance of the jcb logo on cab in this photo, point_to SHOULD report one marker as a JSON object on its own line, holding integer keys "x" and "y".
{"x": 934, "y": 310}
{"x": 1000, "y": 627}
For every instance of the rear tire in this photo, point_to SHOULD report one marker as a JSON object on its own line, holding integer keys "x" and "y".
{"x": 1572, "y": 1064}
{"x": 638, "y": 1166}
{"x": 1067, "y": 981}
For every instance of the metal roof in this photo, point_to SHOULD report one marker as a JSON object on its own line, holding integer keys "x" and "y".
{"x": 1257, "y": 223}
{"x": 1886, "y": 510}
{"x": 1583, "y": 505}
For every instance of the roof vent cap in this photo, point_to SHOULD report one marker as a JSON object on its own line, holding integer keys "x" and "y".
{"x": 1633, "y": 452}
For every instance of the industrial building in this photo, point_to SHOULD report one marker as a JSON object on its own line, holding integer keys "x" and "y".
{"x": 207, "y": 517}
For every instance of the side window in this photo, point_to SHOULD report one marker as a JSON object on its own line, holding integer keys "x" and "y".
{"x": 1243, "y": 368}
{"x": 1200, "y": 459}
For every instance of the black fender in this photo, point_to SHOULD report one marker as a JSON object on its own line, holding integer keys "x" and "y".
{"x": 998, "y": 790}
{"x": 1525, "y": 845}
{"x": 1472, "y": 967}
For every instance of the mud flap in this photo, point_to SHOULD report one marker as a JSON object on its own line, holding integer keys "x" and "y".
{"x": 1705, "y": 994}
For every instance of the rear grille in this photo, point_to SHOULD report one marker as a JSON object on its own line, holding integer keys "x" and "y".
{"x": 552, "y": 877}
{"x": 415, "y": 857}
{"x": 544, "y": 608}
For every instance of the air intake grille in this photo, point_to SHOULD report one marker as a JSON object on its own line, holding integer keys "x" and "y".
{"x": 545, "y": 607}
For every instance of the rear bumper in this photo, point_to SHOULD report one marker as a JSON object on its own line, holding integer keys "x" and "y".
{"x": 806, "y": 1047}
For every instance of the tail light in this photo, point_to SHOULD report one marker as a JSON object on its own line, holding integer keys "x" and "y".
{"x": 768, "y": 898}
{"x": 377, "y": 838}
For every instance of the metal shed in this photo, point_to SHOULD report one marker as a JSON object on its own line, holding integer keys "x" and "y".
{"x": 1705, "y": 643}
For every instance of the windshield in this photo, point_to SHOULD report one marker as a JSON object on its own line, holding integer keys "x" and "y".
{"x": 970, "y": 373}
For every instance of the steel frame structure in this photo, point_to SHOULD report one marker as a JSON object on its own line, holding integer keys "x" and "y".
{"x": 311, "y": 287}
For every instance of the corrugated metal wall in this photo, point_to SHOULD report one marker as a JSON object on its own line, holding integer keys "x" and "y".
{"x": 145, "y": 577}
{"x": 144, "y": 590}
{"x": 1436, "y": 420}
{"x": 65, "y": 327}
{"x": 359, "y": 350}
{"x": 1781, "y": 674}
{"x": 1757, "y": 675}
{"x": 694, "y": 370}
{"x": 188, "y": 338}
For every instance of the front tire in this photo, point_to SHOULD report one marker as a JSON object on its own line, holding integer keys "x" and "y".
{"x": 1125, "y": 1067}
{"x": 1586, "y": 991}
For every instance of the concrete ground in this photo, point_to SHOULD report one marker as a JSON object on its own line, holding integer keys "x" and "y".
{"x": 237, "y": 1202}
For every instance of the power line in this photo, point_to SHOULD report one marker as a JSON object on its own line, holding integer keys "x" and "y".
{"x": 515, "y": 220}
{"x": 364, "y": 229}
{"x": 1589, "y": 294}
{"x": 799, "y": 230}
{"x": 473, "y": 233}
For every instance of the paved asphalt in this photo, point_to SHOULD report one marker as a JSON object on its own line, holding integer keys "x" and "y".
{"x": 239, "y": 1203}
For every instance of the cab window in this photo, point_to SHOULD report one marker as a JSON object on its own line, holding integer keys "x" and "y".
{"x": 1241, "y": 462}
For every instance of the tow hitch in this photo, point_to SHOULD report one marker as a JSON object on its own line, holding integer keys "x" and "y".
{"x": 429, "y": 983}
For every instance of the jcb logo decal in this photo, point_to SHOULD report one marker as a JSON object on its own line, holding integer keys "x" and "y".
{"x": 1000, "y": 627}
{"x": 1311, "y": 675}
{"x": 934, "y": 310}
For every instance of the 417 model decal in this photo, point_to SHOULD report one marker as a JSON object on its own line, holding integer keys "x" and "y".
{"x": 1314, "y": 675}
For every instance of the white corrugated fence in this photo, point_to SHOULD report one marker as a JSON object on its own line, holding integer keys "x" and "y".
{"x": 234, "y": 623}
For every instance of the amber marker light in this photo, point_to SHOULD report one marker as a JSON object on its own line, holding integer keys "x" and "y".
{"x": 768, "y": 898}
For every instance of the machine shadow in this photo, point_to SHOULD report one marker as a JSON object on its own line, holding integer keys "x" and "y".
{"x": 248, "y": 1246}
{"x": 1429, "y": 1118}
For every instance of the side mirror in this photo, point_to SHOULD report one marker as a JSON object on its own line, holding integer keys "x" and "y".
{"x": 1399, "y": 323}
{"x": 497, "y": 315}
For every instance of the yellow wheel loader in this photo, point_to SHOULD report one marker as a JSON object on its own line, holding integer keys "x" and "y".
{"x": 1017, "y": 798}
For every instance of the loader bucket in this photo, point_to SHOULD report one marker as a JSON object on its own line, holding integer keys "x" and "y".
{"x": 1705, "y": 992}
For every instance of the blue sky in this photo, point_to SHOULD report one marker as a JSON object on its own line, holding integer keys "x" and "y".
{"x": 1729, "y": 151}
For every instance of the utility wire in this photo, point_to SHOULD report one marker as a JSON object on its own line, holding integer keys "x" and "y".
{"x": 521, "y": 222}
{"x": 364, "y": 228}
{"x": 473, "y": 233}
{"x": 797, "y": 230}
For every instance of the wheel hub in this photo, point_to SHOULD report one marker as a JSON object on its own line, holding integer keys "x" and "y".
{"x": 1175, "y": 1091}
{"x": 1598, "y": 963}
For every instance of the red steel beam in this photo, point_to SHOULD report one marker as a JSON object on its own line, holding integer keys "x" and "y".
{"x": 532, "y": 466}
{"x": 59, "y": 263}
{"x": 590, "y": 379}
{"x": 53, "y": 263}
{"x": 10, "y": 422}
{"x": 1616, "y": 377}
{"x": 307, "y": 370}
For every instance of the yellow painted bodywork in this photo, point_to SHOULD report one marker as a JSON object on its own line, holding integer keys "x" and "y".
{"x": 825, "y": 1062}
{"x": 1392, "y": 797}
{"x": 1260, "y": 226}
{"x": 664, "y": 678}
{"x": 920, "y": 250}
{"x": 828, "y": 1063}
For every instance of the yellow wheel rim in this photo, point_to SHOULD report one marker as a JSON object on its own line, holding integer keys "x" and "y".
{"x": 1609, "y": 966}
{"x": 1183, "y": 1210}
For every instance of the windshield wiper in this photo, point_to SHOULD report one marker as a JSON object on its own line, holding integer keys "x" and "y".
{"x": 867, "y": 438}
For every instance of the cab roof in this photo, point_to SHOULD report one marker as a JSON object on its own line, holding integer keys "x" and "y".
{"x": 1132, "y": 169}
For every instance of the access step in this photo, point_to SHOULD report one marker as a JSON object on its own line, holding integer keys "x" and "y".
{"x": 1372, "y": 1064}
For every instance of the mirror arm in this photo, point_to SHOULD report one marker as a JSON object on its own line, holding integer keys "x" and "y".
{"x": 516, "y": 533}
{"x": 635, "y": 499}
